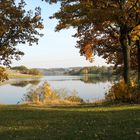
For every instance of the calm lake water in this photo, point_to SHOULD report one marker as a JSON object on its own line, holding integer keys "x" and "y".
{"x": 88, "y": 88}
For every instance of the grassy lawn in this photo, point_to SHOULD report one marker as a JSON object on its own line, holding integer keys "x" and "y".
{"x": 70, "y": 123}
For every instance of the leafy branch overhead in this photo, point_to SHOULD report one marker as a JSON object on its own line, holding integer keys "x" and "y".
{"x": 17, "y": 26}
{"x": 96, "y": 19}
{"x": 103, "y": 28}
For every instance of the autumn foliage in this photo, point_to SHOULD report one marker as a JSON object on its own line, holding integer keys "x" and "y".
{"x": 109, "y": 29}
{"x": 17, "y": 26}
{"x": 120, "y": 92}
{"x": 45, "y": 94}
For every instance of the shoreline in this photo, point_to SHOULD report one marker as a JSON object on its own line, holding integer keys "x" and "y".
{"x": 20, "y": 77}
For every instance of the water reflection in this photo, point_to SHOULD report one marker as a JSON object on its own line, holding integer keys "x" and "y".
{"x": 93, "y": 80}
{"x": 88, "y": 87}
{"x": 25, "y": 83}
{"x": 44, "y": 94}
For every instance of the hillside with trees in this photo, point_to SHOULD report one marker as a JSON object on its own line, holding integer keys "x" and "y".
{"x": 95, "y": 70}
{"x": 22, "y": 71}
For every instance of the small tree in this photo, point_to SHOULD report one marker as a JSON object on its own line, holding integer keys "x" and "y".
{"x": 3, "y": 74}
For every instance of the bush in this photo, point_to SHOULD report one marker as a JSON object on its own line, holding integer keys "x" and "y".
{"x": 3, "y": 74}
{"x": 44, "y": 94}
{"x": 41, "y": 94}
{"x": 74, "y": 97}
{"x": 120, "y": 92}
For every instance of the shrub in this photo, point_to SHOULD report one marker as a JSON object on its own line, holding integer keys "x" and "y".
{"x": 74, "y": 97}
{"x": 3, "y": 74}
{"x": 44, "y": 94}
{"x": 120, "y": 92}
{"x": 41, "y": 94}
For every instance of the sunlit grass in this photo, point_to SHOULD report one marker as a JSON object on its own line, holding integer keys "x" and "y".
{"x": 69, "y": 123}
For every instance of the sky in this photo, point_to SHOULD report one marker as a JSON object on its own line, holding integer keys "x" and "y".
{"x": 55, "y": 49}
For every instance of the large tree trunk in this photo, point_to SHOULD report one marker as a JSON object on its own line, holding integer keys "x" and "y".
{"x": 126, "y": 54}
{"x": 138, "y": 57}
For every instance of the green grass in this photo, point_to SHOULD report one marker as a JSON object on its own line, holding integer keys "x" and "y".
{"x": 70, "y": 123}
{"x": 17, "y": 74}
{"x": 24, "y": 76}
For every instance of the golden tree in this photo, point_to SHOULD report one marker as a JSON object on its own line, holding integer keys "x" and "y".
{"x": 94, "y": 19}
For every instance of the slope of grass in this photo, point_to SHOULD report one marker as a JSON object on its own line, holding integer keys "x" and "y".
{"x": 17, "y": 74}
{"x": 70, "y": 123}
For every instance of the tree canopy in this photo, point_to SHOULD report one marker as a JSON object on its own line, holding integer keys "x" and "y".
{"x": 103, "y": 28}
{"x": 17, "y": 26}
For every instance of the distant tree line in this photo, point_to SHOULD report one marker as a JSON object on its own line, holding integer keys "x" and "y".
{"x": 103, "y": 70}
{"x": 25, "y": 70}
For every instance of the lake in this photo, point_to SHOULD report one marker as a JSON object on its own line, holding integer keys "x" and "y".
{"x": 88, "y": 88}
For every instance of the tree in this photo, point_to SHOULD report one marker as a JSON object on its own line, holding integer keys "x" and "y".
{"x": 34, "y": 72}
{"x": 92, "y": 18}
{"x": 135, "y": 36}
{"x": 17, "y": 26}
{"x": 20, "y": 68}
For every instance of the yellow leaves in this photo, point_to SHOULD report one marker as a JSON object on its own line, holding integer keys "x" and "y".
{"x": 123, "y": 93}
{"x": 135, "y": 38}
{"x": 88, "y": 51}
{"x": 47, "y": 89}
{"x": 44, "y": 94}
{"x": 3, "y": 74}
{"x": 135, "y": 34}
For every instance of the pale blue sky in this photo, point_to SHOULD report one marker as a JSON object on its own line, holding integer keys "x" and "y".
{"x": 55, "y": 49}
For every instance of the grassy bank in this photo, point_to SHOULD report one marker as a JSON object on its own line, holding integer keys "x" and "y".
{"x": 70, "y": 123}
{"x": 25, "y": 76}
{"x": 18, "y": 74}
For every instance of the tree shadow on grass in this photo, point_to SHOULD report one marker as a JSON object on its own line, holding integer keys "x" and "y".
{"x": 69, "y": 124}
